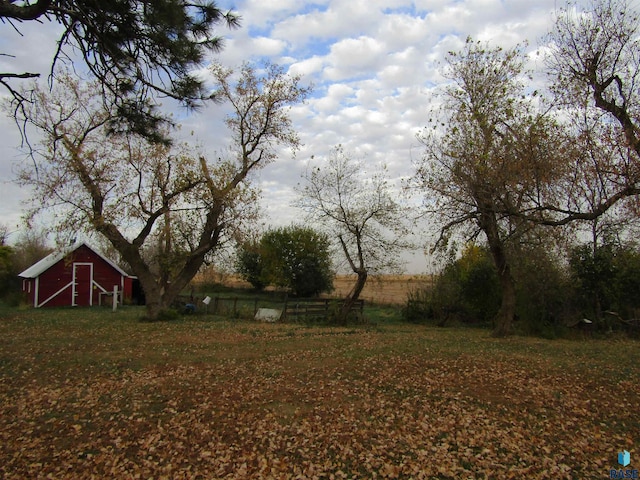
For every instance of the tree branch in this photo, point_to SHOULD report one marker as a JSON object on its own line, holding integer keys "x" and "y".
{"x": 23, "y": 12}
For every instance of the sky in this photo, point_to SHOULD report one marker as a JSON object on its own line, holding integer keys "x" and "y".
{"x": 374, "y": 65}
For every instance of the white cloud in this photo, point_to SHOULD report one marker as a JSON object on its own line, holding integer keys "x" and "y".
{"x": 339, "y": 19}
{"x": 263, "y": 46}
{"x": 260, "y": 13}
{"x": 337, "y": 95}
{"x": 307, "y": 67}
{"x": 355, "y": 57}
{"x": 402, "y": 31}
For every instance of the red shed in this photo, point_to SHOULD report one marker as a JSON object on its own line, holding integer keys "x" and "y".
{"x": 77, "y": 277}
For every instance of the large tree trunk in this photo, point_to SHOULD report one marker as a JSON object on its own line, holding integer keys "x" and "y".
{"x": 153, "y": 291}
{"x": 153, "y": 308}
{"x": 503, "y": 324}
{"x": 504, "y": 319}
{"x": 160, "y": 291}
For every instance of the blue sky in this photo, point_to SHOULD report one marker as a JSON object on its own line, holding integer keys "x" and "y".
{"x": 374, "y": 64}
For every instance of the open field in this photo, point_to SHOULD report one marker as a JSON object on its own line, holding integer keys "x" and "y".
{"x": 381, "y": 289}
{"x": 96, "y": 394}
{"x": 384, "y": 289}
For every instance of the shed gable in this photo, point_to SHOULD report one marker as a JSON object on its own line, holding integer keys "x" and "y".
{"x": 80, "y": 277}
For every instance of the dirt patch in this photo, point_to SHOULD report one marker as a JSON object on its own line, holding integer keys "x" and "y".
{"x": 247, "y": 400}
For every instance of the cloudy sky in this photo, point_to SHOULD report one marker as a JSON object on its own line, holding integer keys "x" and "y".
{"x": 373, "y": 63}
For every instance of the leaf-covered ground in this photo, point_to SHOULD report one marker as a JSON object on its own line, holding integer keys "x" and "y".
{"x": 100, "y": 395}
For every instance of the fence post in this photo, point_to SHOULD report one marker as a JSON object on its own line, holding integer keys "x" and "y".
{"x": 284, "y": 310}
{"x": 115, "y": 297}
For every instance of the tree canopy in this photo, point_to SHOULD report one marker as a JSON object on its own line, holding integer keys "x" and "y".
{"x": 165, "y": 209}
{"x": 297, "y": 258}
{"x": 496, "y": 163}
{"x": 137, "y": 50}
{"x": 494, "y": 157}
{"x": 594, "y": 63}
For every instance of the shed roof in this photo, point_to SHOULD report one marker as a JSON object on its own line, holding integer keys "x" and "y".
{"x": 50, "y": 260}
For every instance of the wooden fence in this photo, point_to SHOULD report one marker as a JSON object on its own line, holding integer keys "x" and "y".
{"x": 311, "y": 309}
{"x": 293, "y": 309}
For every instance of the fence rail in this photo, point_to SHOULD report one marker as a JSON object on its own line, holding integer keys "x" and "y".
{"x": 294, "y": 309}
{"x": 309, "y": 309}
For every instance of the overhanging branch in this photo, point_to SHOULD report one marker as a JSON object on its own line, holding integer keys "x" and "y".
{"x": 8, "y": 9}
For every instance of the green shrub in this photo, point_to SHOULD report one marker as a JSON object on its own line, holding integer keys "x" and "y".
{"x": 606, "y": 278}
{"x": 467, "y": 291}
{"x": 543, "y": 293}
{"x": 296, "y": 258}
{"x": 250, "y": 265}
{"x": 418, "y": 308}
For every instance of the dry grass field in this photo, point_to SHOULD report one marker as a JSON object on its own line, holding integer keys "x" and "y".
{"x": 381, "y": 289}
{"x": 91, "y": 394}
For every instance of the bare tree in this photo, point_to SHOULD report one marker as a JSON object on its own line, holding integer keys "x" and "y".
{"x": 30, "y": 246}
{"x": 164, "y": 209}
{"x": 360, "y": 212}
{"x": 4, "y": 234}
{"x": 594, "y": 60}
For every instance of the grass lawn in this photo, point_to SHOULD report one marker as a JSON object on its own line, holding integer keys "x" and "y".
{"x": 96, "y": 394}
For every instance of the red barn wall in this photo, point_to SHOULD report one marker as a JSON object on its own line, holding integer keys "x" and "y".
{"x": 92, "y": 272}
{"x": 58, "y": 277}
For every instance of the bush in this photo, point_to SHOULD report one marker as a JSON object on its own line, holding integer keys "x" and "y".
{"x": 479, "y": 286}
{"x": 543, "y": 292}
{"x": 419, "y": 307}
{"x": 7, "y": 272}
{"x": 606, "y": 278}
{"x": 628, "y": 282}
{"x": 250, "y": 265}
{"x": 296, "y": 258}
{"x": 466, "y": 291}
